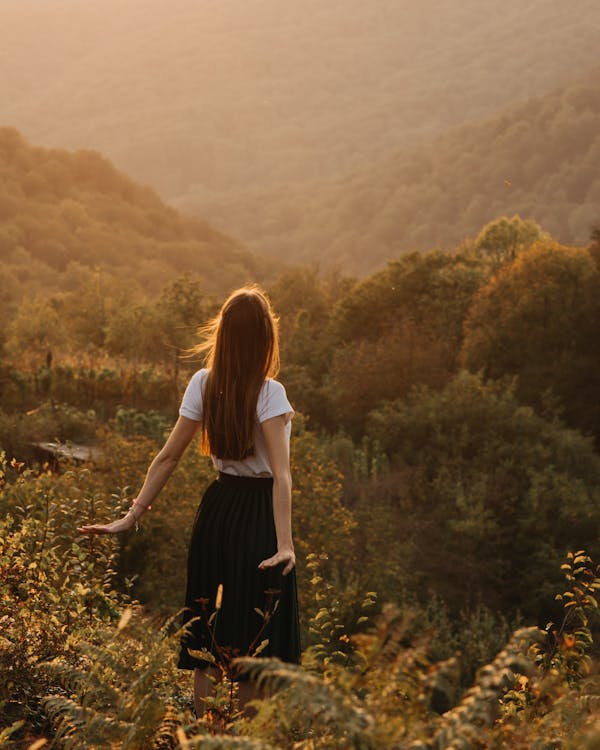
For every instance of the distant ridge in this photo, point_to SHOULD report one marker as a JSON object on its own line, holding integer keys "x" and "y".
{"x": 219, "y": 96}
{"x": 64, "y": 213}
{"x": 229, "y": 108}
{"x": 539, "y": 158}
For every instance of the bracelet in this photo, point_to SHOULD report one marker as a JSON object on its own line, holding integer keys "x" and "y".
{"x": 133, "y": 505}
{"x": 145, "y": 507}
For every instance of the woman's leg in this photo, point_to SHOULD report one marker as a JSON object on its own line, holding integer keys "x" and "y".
{"x": 204, "y": 686}
{"x": 248, "y": 691}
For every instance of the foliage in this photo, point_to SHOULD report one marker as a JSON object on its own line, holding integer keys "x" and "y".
{"x": 305, "y": 300}
{"x": 303, "y": 138}
{"x": 488, "y": 495}
{"x": 566, "y": 648}
{"x": 65, "y": 217}
{"x": 52, "y": 588}
{"x": 398, "y": 327}
{"x": 536, "y": 319}
{"x": 106, "y": 700}
{"x": 503, "y": 238}
{"x": 150, "y": 423}
{"x": 101, "y": 386}
{"x": 160, "y": 330}
{"x": 347, "y": 346}
{"x": 49, "y": 422}
{"x": 87, "y": 667}
{"x": 336, "y": 611}
{"x": 323, "y": 525}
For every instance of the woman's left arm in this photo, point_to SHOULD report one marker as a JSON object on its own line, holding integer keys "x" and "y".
{"x": 157, "y": 475}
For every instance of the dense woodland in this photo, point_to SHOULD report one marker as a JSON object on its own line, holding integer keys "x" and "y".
{"x": 253, "y": 109}
{"x": 445, "y": 462}
{"x": 433, "y": 253}
{"x": 538, "y": 158}
{"x": 68, "y": 219}
{"x": 266, "y": 94}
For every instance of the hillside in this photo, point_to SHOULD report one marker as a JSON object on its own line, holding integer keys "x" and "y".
{"x": 210, "y": 101}
{"x": 538, "y": 158}
{"x": 65, "y": 214}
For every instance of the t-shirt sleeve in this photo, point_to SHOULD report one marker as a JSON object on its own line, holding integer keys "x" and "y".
{"x": 273, "y": 401}
{"x": 191, "y": 403}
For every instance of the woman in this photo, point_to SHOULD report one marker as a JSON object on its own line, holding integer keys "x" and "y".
{"x": 241, "y": 541}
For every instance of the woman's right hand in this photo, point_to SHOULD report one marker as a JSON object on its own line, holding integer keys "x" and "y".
{"x": 115, "y": 527}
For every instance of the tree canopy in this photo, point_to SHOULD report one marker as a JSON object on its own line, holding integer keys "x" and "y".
{"x": 65, "y": 215}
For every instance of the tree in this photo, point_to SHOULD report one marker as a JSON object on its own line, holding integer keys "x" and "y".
{"x": 431, "y": 288}
{"x": 595, "y": 238}
{"x": 397, "y": 328}
{"x": 364, "y": 373}
{"x": 136, "y": 332}
{"x": 537, "y": 319}
{"x": 37, "y": 328}
{"x": 488, "y": 495}
{"x": 303, "y": 299}
{"x": 503, "y": 238}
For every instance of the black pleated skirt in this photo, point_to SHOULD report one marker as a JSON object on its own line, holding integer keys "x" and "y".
{"x": 233, "y": 532}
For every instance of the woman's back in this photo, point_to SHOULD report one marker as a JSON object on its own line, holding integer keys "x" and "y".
{"x": 272, "y": 401}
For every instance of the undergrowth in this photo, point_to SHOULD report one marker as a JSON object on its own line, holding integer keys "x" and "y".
{"x": 85, "y": 666}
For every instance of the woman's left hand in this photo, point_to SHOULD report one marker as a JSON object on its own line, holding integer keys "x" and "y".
{"x": 284, "y": 556}
{"x": 122, "y": 524}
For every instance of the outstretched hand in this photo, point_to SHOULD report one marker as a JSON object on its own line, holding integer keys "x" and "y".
{"x": 122, "y": 524}
{"x": 285, "y": 556}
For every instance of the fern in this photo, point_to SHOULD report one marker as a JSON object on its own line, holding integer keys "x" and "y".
{"x": 460, "y": 727}
{"x": 316, "y": 704}
{"x": 7, "y": 732}
{"x": 221, "y": 743}
{"x": 116, "y": 701}
{"x": 165, "y": 737}
{"x": 77, "y": 724}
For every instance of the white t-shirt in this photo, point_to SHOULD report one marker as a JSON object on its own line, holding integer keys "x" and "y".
{"x": 272, "y": 401}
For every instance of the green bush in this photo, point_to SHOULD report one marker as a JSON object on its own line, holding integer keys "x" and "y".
{"x": 488, "y": 495}
{"x": 49, "y": 422}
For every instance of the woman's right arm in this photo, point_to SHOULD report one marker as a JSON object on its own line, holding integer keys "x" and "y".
{"x": 157, "y": 475}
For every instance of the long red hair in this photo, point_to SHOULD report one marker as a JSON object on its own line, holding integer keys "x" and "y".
{"x": 241, "y": 347}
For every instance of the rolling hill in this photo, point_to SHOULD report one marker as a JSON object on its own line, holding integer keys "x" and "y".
{"x": 539, "y": 158}
{"x": 64, "y": 215}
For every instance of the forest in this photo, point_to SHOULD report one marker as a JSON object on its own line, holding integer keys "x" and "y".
{"x": 415, "y": 186}
{"x": 69, "y": 218}
{"x": 537, "y": 157}
{"x": 446, "y": 482}
{"x": 292, "y": 126}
